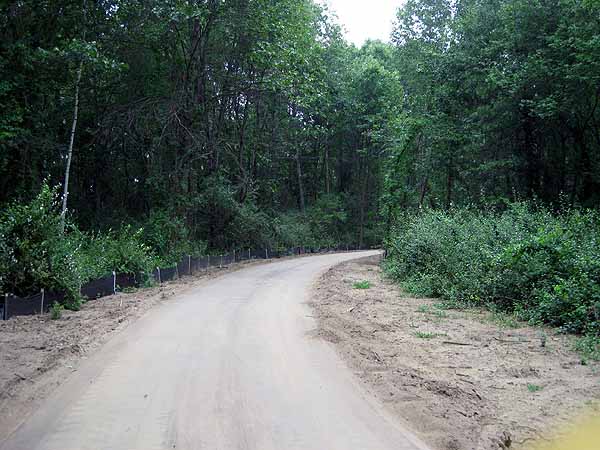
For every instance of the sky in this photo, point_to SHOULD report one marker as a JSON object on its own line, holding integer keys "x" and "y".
{"x": 366, "y": 19}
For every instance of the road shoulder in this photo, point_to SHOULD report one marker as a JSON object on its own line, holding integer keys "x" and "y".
{"x": 461, "y": 379}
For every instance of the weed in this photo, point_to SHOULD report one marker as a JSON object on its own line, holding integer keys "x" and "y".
{"x": 444, "y": 306}
{"x": 426, "y": 309}
{"x": 504, "y": 320}
{"x": 534, "y": 387}
{"x": 56, "y": 311}
{"x": 362, "y": 285}
{"x": 589, "y": 347}
{"x": 543, "y": 339}
{"x": 428, "y": 335}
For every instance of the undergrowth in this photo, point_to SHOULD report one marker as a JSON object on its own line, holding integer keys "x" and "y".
{"x": 525, "y": 263}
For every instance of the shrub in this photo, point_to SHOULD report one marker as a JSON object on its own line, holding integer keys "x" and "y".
{"x": 34, "y": 254}
{"x": 56, "y": 311}
{"x": 167, "y": 236}
{"x": 293, "y": 230}
{"x": 544, "y": 267}
{"x": 251, "y": 227}
{"x": 327, "y": 219}
{"x": 122, "y": 251}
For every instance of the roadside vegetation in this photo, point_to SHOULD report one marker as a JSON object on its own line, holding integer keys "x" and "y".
{"x": 491, "y": 192}
{"x": 464, "y": 380}
{"x": 35, "y": 253}
{"x": 524, "y": 262}
{"x": 468, "y": 145}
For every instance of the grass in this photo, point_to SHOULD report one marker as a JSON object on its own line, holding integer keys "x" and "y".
{"x": 504, "y": 320}
{"x": 362, "y": 285}
{"x": 534, "y": 387}
{"x": 428, "y": 335}
{"x": 432, "y": 310}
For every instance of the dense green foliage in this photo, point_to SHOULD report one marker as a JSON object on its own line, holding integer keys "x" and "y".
{"x": 209, "y": 125}
{"x": 34, "y": 254}
{"x": 502, "y": 103}
{"x": 218, "y": 115}
{"x": 542, "y": 266}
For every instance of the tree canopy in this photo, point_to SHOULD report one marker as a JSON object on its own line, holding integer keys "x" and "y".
{"x": 229, "y": 115}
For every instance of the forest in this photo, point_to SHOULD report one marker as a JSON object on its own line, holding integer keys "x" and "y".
{"x": 468, "y": 146}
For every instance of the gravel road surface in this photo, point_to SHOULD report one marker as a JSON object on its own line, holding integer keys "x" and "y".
{"x": 233, "y": 364}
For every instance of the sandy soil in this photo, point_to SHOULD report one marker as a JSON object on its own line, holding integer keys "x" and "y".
{"x": 460, "y": 379}
{"x": 37, "y": 354}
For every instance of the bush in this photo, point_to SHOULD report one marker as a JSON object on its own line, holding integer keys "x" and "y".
{"x": 168, "y": 237}
{"x": 327, "y": 219}
{"x": 544, "y": 267}
{"x": 56, "y": 311}
{"x": 293, "y": 230}
{"x": 251, "y": 228}
{"x": 34, "y": 254}
{"x": 123, "y": 251}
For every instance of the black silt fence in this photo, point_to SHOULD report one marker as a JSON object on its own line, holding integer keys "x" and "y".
{"x": 199, "y": 264}
{"x": 168, "y": 274}
{"x": 156, "y": 275}
{"x": 101, "y": 287}
{"x": 214, "y": 261}
{"x": 184, "y": 266}
{"x": 11, "y": 305}
{"x": 258, "y": 253}
{"x": 128, "y": 280}
{"x": 16, "y": 306}
{"x": 228, "y": 259}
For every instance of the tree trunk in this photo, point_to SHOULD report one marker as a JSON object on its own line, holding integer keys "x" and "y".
{"x": 449, "y": 183}
{"x": 327, "y": 181}
{"x": 363, "y": 205}
{"x": 300, "y": 185}
{"x": 63, "y": 212}
{"x": 424, "y": 188}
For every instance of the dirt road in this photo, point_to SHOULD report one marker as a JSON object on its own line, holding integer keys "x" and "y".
{"x": 231, "y": 365}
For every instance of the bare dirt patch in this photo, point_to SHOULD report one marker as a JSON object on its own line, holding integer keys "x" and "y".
{"x": 461, "y": 379}
{"x": 37, "y": 354}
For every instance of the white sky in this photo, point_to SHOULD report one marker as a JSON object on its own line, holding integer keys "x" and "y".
{"x": 366, "y": 19}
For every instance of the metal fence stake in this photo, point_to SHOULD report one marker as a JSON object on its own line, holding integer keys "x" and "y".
{"x": 114, "y": 282}
{"x": 208, "y": 263}
{"x": 221, "y": 263}
{"x": 159, "y": 280}
{"x": 42, "y": 303}
{"x": 190, "y": 264}
{"x": 5, "y": 307}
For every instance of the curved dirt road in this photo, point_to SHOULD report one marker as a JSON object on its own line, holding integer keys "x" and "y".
{"x": 231, "y": 365}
